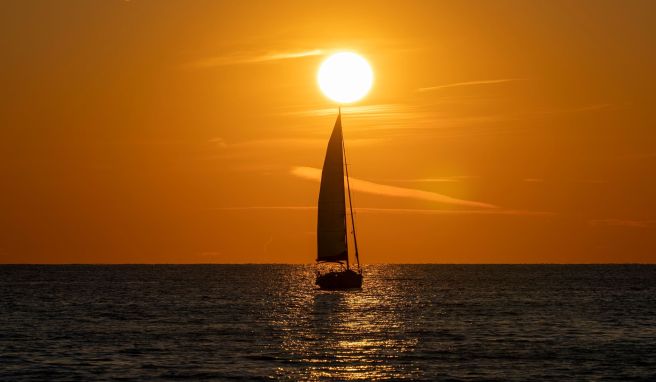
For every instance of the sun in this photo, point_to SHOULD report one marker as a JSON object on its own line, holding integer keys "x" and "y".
{"x": 345, "y": 77}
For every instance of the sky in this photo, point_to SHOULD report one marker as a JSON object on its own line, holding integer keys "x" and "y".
{"x": 194, "y": 131}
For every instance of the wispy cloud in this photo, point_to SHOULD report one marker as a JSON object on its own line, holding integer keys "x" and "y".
{"x": 253, "y": 58}
{"x": 256, "y": 208}
{"x": 495, "y": 211}
{"x": 470, "y": 83}
{"x": 622, "y": 223}
{"x": 373, "y": 117}
{"x": 402, "y": 211}
{"x": 392, "y": 191}
{"x": 421, "y": 118}
{"x": 579, "y": 109}
{"x": 355, "y": 111}
{"x": 219, "y": 142}
{"x": 444, "y": 179}
{"x": 441, "y": 124}
{"x": 287, "y": 143}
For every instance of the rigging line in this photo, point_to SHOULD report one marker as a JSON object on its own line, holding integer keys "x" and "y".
{"x": 339, "y": 117}
{"x": 348, "y": 185}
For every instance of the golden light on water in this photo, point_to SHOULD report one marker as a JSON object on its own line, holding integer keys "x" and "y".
{"x": 345, "y": 77}
{"x": 345, "y": 335}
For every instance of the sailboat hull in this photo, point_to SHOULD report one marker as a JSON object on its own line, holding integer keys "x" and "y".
{"x": 340, "y": 280}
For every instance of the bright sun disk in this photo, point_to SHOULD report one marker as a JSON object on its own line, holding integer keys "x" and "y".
{"x": 345, "y": 77}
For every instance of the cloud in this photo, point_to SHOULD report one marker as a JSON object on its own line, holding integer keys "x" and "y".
{"x": 355, "y": 111}
{"x": 580, "y": 109}
{"x": 373, "y": 117}
{"x": 495, "y": 211}
{"x": 444, "y": 179}
{"x": 403, "y": 211}
{"x": 469, "y": 83}
{"x": 287, "y": 143}
{"x": 621, "y": 223}
{"x": 253, "y": 58}
{"x": 256, "y": 208}
{"x": 392, "y": 191}
{"x": 411, "y": 120}
{"x": 219, "y": 142}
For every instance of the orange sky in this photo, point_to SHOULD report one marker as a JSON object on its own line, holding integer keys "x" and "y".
{"x": 193, "y": 131}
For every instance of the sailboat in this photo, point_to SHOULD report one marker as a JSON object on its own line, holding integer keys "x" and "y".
{"x": 332, "y": 233}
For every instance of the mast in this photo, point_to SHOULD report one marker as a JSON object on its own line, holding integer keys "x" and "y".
{"x": 339, "y": 116}
{"x": 348, "y": 187}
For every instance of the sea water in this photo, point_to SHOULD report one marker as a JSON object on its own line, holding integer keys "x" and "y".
{"x": 415, "y": 322}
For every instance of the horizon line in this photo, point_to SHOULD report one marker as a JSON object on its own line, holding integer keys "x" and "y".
{"x": 310, "y": 263}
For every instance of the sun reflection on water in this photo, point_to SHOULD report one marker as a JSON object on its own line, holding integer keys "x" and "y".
{"x": 346, "y": 335}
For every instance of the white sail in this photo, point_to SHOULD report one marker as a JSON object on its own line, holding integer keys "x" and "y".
{"x": 331, "y": 227}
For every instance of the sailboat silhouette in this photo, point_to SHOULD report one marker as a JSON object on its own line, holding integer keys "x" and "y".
{"x": 332, "y": 233}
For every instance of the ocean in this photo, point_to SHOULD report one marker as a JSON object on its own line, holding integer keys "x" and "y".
{"x": 262, "y": 322}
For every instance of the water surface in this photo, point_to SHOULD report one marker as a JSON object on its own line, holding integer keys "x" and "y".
{"x": 420, "y": 322}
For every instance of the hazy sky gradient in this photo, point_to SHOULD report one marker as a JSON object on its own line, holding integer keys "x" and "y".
{"x": 165, "y": 131}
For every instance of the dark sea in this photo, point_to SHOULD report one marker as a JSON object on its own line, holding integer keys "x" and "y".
{"x": 254, "y": 322}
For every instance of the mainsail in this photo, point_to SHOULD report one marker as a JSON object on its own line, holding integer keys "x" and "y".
{"x": 331, "y": 227}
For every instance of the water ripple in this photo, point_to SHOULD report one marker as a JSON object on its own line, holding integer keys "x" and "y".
{"x": 409, "y": 322}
